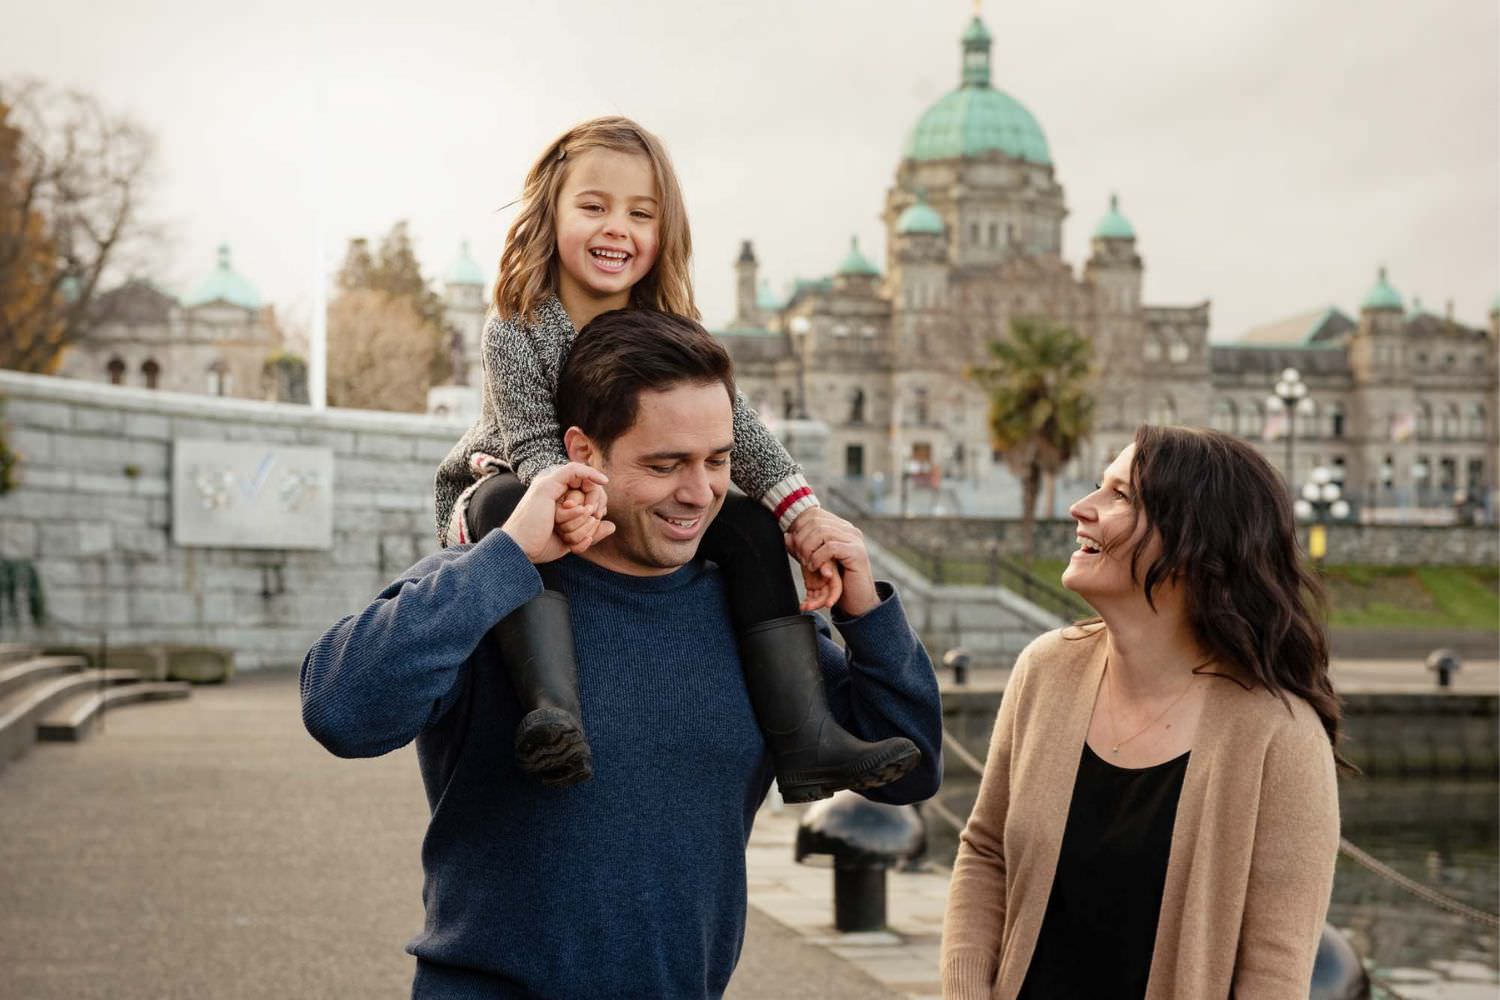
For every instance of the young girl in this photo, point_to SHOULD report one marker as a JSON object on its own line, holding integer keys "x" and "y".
{"x": 603, "y": 226}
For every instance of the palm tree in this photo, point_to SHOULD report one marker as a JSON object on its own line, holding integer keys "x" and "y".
{"x": 1041, "y": 409}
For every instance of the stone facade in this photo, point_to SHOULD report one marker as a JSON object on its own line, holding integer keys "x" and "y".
{"x": 92, "y": 508}
{"x": 215, "y": 341}
{"x": 973, "y": 226}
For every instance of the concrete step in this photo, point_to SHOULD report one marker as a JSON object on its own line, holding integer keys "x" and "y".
{"x": 15, "y": 676}
{"x": 19, "y": 718}
{"x": 15, "y": 652}
{"x": 74, "y": 720}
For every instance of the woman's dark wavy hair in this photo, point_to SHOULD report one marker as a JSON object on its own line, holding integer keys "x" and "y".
{"x": 1224, "y": 517}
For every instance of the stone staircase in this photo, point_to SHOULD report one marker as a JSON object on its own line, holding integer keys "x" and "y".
{"x": 61, "y": 697}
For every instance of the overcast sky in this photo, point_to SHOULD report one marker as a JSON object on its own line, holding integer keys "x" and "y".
{"x": 1270, "y": 153}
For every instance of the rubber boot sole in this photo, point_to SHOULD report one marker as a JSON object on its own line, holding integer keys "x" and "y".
{"x": 809, "y": 786}
{"x": 550, "y": 744}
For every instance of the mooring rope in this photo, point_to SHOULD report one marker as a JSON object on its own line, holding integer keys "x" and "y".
{"x": 1350, "y": 850}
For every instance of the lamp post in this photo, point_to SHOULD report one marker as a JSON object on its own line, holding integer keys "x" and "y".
{"x": 1321, "y": 499}
{"x": 1290, "y": 397}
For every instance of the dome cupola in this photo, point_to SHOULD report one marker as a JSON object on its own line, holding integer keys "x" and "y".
{"x": 920, "y": 217}
{"x": 856, "y": 262}
{"x": 1382, "y": 296}
{"x": 224, "y": 284}
{"x": 1114, "y": 226}
{"x": 976, "y": 118}
{"x": 464, "y": 270}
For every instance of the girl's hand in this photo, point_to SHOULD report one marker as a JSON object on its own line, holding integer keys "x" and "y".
{"x": 533, "y": 524}
{"x": 824, "y": 587}
{"x": 580, "y": 521}
{"x": 827, "y": 540}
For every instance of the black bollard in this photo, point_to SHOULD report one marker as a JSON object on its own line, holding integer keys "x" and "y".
{"x": 864, "y": 839}
{"x": 957, "y": 660}
{"x": 858, "y": 897}
{"x": 1444, "y": 663}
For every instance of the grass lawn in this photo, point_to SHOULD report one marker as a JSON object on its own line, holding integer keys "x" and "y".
{"x": 1435, "y": 597}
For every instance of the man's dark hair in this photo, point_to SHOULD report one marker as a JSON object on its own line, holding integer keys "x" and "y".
{"x": 625, "y": 352}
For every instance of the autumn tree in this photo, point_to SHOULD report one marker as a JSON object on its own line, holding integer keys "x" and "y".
{"x": 394, "y": 271}
{"x": 1041, "y": 408}
{"x": 379, "y": 350}
{"x": 73, "y": 179}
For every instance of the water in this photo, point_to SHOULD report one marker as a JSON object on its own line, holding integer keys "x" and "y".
{"x": 1443, "y": 834}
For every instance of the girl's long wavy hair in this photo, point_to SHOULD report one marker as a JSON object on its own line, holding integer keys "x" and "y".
{"x": 1229, "y": 538}
{"x": 528, "y": 265}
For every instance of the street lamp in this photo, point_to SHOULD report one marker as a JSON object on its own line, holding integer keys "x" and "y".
{"x": 1290, "y": 397}
{"x": 1321, "y": 499}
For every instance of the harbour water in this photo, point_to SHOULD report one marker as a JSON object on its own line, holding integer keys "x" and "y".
{"x": 1442, "y": 834}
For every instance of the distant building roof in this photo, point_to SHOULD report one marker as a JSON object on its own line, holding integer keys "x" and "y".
{"x": 1314, "y": 326}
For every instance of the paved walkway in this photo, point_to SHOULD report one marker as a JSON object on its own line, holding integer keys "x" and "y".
{"x": 208, "y": 849}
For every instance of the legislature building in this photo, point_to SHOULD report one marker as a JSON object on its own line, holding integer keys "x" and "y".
{"x": 1400, "y": 403}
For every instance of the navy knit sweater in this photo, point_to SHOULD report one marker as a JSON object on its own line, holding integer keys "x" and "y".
{"x": 628, "y": 885}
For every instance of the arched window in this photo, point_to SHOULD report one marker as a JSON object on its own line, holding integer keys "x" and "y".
{"x": 920, "y": 406}
{"x": 1179, "y": 351}
{"x": 1475, "y": 423}
{"x": 1424, "y": 420}
{"x": 151, "y": 372}
{"x": 116, "y": 370}
{"x": 1225, "y": 418}
{"x": 1450, "y": 423}
{"x": 1151, "y": 349}
{"x": 218, "y": 378}
{"x": 1307, "y": 419}
{"x": 1336, "y": 420}
{"x": 1163, "y": 412}
{"x": 1252, "y": 420}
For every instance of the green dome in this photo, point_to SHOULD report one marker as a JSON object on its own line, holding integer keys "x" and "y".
{"x": 224, "y": 284}
{"x": 765, "y": 299}
{"x": 919, "y": 217}
{"x": 1382, "y": 296}
{"x": 976, "y": 118}
{"x": 856, "y": 262}
{"x": 1114, "y": 226}
{"x": 463, "y": 270}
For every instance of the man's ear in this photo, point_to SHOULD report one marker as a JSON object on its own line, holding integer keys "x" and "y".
{"x": 579, "y": 447}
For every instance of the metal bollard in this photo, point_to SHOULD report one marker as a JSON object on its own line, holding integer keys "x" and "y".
{"x": 957, "y": 660}
{"x": 864, "y": 839}
{"x": 1444, "y": 663}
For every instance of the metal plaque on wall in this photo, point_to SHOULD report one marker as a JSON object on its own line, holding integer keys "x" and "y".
{"x": 250, "y": 495}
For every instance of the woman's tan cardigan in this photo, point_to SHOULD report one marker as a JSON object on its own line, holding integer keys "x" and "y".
{"x": 1253, "y": 845}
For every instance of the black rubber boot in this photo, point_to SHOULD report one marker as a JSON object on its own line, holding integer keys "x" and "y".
{"x": 536, "y": 647}
{"x": 813, "y": 754}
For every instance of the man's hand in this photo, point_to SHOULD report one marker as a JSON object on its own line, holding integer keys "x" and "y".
{"x": 820, "y": 541}
{"x": 535, "y": 525}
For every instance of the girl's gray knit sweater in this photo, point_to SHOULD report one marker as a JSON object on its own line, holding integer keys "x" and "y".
{"x": 517, "y": 424}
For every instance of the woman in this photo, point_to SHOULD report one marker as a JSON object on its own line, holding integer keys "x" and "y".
{"x": 1159, "y": 812}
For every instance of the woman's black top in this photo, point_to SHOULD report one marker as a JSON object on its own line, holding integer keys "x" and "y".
{"x": 1100, "y": 927}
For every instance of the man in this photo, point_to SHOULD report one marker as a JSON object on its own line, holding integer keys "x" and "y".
{"x": 631, "y": 884}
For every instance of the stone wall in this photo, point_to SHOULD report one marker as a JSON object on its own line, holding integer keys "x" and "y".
{"x": 1362, "y": 544}
{"x": 92, "y": 507}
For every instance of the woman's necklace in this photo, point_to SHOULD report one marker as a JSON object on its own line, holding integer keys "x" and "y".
{"x": 1115, "y": 729}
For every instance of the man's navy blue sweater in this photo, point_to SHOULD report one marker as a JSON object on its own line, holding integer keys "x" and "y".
{"x": 628, "y": 885}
